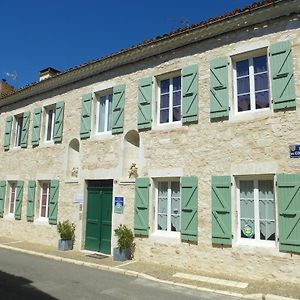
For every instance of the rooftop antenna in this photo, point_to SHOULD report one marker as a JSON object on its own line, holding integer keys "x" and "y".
{"x": 183, "y": 22}
{"x": 13, "y": 75}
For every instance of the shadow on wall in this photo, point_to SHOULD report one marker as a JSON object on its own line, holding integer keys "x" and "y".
{"x": 16, "y": 288}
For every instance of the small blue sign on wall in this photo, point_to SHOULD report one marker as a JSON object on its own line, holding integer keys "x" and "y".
{"x": 294, "y": 151}
{"x": 119, "y": 205}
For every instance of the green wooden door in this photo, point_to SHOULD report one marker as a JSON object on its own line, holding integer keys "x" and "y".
{"x": 105, "y": 222}
{"x": 98, "y": 222}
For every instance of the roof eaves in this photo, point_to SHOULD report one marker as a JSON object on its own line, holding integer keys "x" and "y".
{"x": 72, "y": 73}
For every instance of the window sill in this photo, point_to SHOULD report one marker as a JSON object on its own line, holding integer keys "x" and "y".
{"x": 168, "y": 126}
{"x": 255, "y": 244}
{"x": 16, "y": 148}
{"x": 250, "y": 115}
{"x": 42, "y": 221}
{"x": 102, "y": 135}
{"x": 9, "y": 217}
{"x": 168, "y": 238}
{"x": 46, "y": 144}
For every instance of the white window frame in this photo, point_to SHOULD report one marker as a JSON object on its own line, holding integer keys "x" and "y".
{"x": 11, "y": 184}
{"x": 18, "y": 130}
{"x": 249, "y": 56}
{"x": 257, "y": 241}
{"x": 168, "y": 232}
{"x": 98, "y": 96}
{"x": 40, "y": 198}
{"x": 159, "y": 79}
{"x": 47, "y": 110}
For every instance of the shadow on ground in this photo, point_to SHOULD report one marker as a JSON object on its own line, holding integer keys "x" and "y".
{"x": 16, "y": 288}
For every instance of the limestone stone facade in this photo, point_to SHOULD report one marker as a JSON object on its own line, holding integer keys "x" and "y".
{"x": 254, "y": 144}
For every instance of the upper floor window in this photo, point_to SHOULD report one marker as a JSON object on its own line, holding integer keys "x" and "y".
{"x": 104, "y": 113}
{"x": 251, "y": 84}
{"x": 169, "y": 102}
{"x": 49, "y": 124}
{"x": 18, "y": 130}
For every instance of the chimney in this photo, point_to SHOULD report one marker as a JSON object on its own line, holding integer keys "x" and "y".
{"x": 47, "y": 73}
{"x": 5, "y": 88}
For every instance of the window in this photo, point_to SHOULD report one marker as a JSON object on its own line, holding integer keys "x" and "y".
{"x": 104, "y": 113}
{"x": 44, "y": 200}
{"x": 169, "y": 100}
{"x": 12, "y": 198}
{"x": 251, "y": 84}
{"x": 49, "y": 125}
{"x": 168, "y": 206}
{"x": 18, "y": 130}
{"x": 257, "y": 219}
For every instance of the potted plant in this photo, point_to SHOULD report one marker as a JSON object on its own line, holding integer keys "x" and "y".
{"x": 66, "y": 230}
{"x": 126, "y": 245}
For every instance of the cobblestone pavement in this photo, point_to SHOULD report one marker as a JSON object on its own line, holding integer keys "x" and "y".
{"x": 207, "y": 280}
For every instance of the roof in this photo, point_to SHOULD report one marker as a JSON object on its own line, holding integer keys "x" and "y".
{"x": 251, "y": 12}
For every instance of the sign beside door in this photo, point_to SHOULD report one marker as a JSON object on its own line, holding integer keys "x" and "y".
{"x": 119, "y": 205}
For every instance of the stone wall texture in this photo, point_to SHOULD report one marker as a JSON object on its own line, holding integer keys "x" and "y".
{"x": 256, "y": 144}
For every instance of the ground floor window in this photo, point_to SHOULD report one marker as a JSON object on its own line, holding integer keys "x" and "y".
{"x": 168, "y": 205}
{"x": 12, "y": 197}
{"x": 256, "y": 205}
{"x": 44, "y": 200}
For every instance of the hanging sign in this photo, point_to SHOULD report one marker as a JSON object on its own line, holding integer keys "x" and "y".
{"x": 294, "y": 151}
{"x": 119, "y": 205}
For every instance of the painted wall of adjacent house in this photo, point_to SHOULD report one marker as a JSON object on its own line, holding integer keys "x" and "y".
{"x": 254, "y": 144}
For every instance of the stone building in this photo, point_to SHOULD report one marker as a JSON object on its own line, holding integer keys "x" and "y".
{"x": 208, "y": 114}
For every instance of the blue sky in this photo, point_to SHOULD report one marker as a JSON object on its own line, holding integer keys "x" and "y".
{"x": 36, "y": 34}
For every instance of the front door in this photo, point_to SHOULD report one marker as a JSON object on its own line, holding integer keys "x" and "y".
{"x": 98, "y": 224}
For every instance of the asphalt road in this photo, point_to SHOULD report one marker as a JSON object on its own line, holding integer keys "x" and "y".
{"x": 24, "y": 276}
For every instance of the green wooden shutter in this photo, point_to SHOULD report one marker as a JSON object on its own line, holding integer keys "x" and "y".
{"x": 36, "y": 126}
{"x": 288, "y": 192}
{"x": 282, "y": 75}
{"x": 19, "y": 198}
{"x": 189, "y": 208}
{"x": 221, "y": 210}
{"x": 86, "y": 111}
{"x": 30, "y": 200}
{"x": 59, "y": 121}
{"x": 219, "y": 98}
{"x": 7, "y": 132}
{"x": 141, "y": 206}
{"x": 53, "y": 201}
{"x": 145, "y": 103}
{"x": 118, "y": 109}
{"x": 25, "y": 129}
{"x": 190, "y": 94}
{"x": 2, "y": 197}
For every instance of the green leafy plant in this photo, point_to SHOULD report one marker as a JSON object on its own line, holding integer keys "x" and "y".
{"x": 66, "y": 230}
{"x": 125, "y": 238}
